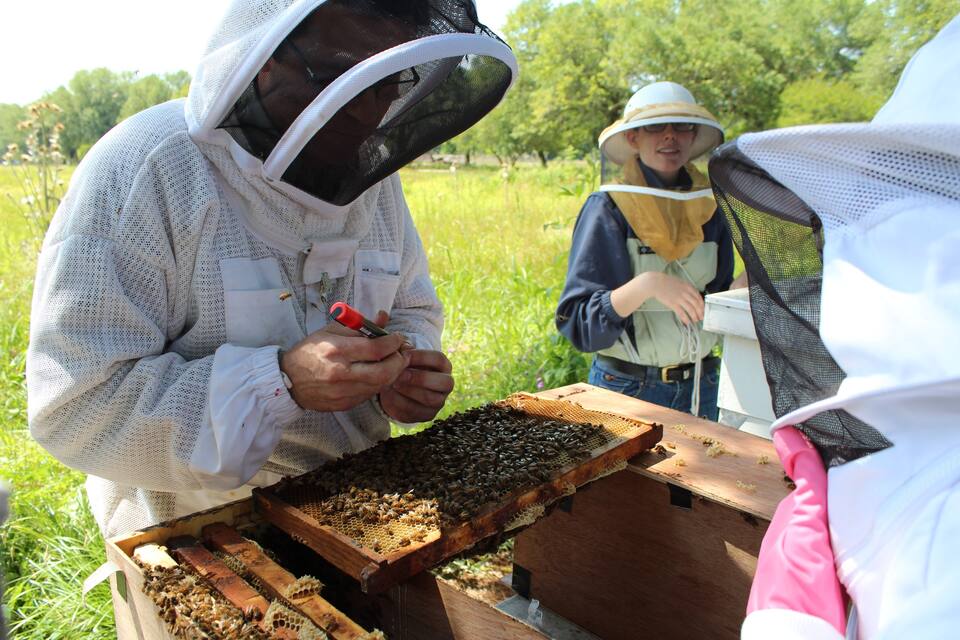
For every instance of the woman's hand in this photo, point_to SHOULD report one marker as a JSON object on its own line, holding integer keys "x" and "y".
{"x": 741, "y": 282}
{"x": 678, "y": 295}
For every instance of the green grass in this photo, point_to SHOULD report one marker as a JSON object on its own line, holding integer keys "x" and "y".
{"x": 51, "y": 543}
{"x": 497, "y": 245}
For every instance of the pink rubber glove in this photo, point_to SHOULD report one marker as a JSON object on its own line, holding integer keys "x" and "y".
{"x": 796, "y": 569}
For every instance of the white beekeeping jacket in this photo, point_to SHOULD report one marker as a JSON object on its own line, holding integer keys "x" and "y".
{"x": 886, "y": 195}
{"x": 163, "y": 294}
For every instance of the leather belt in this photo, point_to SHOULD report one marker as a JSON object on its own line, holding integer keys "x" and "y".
{"x": 673, "y": 373}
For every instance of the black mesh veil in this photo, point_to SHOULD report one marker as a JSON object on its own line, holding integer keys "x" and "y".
{"x": 389, "y": 120}
{"x": 610, "y": 172}
{"x": 781, "y": 241}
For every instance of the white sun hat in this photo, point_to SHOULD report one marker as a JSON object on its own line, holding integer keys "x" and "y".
{"x": 887, "y": 194}
{"x": 658, "y": 103}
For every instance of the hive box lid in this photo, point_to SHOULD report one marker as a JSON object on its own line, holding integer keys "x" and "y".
{"x": 728, "y": 313}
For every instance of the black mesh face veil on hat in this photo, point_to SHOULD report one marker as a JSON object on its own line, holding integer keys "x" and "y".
{"x": 780, "y": 239}
{"x": 360, "y": 88}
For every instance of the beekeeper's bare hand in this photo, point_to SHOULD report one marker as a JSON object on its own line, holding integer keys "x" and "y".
{"x": 678, "y": 295}
{"x": 336, "y": 368}
{"x": 419, "y": 393}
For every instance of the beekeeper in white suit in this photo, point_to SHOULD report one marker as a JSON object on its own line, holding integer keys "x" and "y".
{"x": 851, "y": 236}
{"x": 180, "y": 345}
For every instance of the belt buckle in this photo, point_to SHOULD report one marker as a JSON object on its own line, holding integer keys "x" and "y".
{"x": 665, "y": 372}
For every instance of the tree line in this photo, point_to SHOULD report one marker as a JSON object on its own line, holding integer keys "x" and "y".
{"x": 91, "y": 103}
{"x": 755, "y": 64}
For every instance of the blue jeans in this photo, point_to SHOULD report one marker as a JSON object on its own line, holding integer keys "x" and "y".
{"x": 673, "y": 395}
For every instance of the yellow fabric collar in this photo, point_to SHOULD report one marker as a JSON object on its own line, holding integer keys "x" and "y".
{"x": 672, "y": 228}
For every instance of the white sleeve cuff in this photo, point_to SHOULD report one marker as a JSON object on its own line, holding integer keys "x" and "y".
{"x": 248, "y": 407}
{"x": 375, "y": 401}
{"x": 786, "y": 624}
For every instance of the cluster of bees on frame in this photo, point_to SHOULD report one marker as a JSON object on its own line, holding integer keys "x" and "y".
{"x": 439, "y": 477}
{"x": 192, "y": 609}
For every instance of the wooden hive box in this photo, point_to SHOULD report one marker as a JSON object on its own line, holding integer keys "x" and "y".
{"x": 658, "y": 550}
{"x": 666, "y": 549}
{"x": 422, "y": 608}
{"x": 621, "y": 439}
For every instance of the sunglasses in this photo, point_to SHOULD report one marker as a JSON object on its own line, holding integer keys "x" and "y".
{"x": 386, "y": 89}
{"x": 678, "y": 127}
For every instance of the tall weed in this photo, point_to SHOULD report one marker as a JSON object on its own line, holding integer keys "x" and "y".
{"x": 51, "y": 543}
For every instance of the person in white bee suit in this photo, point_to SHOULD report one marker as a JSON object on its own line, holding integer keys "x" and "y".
{"x": 181, "y": 350}
{"x": 851, "y": 236}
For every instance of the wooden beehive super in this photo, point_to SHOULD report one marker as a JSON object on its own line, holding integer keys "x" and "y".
{"x": 680, "y": 538}
{"x": 200, "y": 576}
{"x": 556, "y": 447}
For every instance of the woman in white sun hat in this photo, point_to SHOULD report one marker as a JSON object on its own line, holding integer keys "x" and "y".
{"x": 851, "y": 237}
{"x": 645, "y": 249}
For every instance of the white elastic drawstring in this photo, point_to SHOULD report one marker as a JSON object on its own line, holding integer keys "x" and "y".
{"x": 690, "y": 349}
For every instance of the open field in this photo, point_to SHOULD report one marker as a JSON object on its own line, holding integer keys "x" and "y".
{"x": 497, "y": 243}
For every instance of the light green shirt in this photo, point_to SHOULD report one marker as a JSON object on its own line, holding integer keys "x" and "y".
{"x": 659, "y": 339}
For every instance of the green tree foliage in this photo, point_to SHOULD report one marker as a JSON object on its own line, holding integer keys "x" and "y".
{"x": 94, "y": 101}
{"x": 894, "y": 30}
{"x": 144, "y": 93}
{"x": 721, "y": 52}
{"x": 91, "y": 104}
{"x": 823, "y": 100}
{"x": 504, "y": 134}
{"x": 755, "y": 64}
{"x": 818, "y": 37}
{"x": 179, "y": 82}
{"x": 575, "y": 90}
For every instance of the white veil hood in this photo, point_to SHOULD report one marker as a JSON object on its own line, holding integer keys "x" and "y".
{"x": 882, "y": 201}
{"x": 451, "y": 70}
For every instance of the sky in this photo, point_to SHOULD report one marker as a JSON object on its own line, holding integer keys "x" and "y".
{"x": 53, "y": 39}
